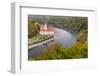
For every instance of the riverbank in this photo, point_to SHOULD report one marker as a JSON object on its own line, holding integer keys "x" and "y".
{"x": 38, "y": 38}
{"x": 60, "y": 36}
{"x": 77, "y": 50}
{"x": 40, "y": 43}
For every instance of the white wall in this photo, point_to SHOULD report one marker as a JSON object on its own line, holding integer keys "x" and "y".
{"x": 5, "y": 33}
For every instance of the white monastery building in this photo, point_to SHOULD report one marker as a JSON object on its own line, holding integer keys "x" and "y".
{"x": 45, "y": 30}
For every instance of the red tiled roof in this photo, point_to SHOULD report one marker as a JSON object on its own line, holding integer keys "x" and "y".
{"x": 49, "y": 28}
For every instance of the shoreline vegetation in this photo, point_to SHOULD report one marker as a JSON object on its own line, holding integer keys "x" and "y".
{"x": 43, "y": 42}
{"x": 58, "y": 51}
{"x": 77, "y": 51}
{"x": 39, "y": 38}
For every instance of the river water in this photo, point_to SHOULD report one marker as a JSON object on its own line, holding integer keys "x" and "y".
{"x": 61, "y": 36}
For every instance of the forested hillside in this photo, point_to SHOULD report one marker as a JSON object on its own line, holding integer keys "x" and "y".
{"x": 78, "y": 50}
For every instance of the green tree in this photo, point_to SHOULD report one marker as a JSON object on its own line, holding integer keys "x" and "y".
{"x": 33, "y": 28}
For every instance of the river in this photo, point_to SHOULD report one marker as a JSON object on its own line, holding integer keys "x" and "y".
{"x": 61, "y": 36}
